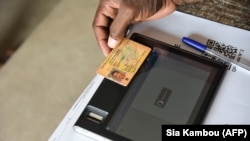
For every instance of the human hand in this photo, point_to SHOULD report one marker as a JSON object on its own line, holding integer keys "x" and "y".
{"x": 114, "y": 16}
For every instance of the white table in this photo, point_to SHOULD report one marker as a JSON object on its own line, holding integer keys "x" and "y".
{"x": 232, "y": 102}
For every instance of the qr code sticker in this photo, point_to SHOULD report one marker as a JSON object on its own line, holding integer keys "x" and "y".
{"x": 227, "y": 50}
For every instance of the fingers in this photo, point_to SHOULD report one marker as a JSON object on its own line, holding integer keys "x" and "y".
{"x": 120, "y": 24}
{"x": 101, "y": 36}
{"x": 100, "y": 27}
{"x": 164, "y": 11}
{"x": 101, "y": 24}
{"x": 113, "y": 17}
{"x": 136, "y": 11}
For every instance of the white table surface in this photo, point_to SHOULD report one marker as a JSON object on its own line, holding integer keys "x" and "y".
{"x": 232, "y": 102}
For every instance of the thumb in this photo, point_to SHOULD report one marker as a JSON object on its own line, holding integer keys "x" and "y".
{"x": 119, "y": 25}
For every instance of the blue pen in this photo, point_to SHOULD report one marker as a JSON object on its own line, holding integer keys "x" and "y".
{"x": 203, "y": 48}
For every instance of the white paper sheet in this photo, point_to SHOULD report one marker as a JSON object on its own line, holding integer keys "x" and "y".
{"x": 232, "y": 102}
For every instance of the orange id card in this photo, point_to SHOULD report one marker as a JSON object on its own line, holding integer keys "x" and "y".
{"x": 124, "y": 61}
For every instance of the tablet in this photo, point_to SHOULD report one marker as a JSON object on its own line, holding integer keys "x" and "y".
{"x": 173, "y": 86}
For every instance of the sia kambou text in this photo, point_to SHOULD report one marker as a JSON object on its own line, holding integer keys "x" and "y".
{"x": 204, "y": 132}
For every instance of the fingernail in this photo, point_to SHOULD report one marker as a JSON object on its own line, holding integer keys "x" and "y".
{"x": 112, "y": 43}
